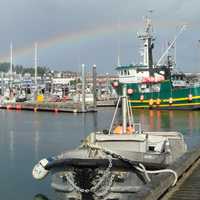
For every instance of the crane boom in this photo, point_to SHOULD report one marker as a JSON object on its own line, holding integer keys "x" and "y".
{"x": 170, "y": 46}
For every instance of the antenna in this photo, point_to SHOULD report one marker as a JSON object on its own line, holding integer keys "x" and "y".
{"x": 119, "y": 43}
{"x": 183, "y": 28}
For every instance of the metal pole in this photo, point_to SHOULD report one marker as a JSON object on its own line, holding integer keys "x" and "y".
{"x": 83, "y": 87}
{"x": 2, "y": 84}
{"x": 124, "y": 107}
{"x": 36, "y": 64}
{"x": 11, "y": 65}
{"x": 94, "y": 85}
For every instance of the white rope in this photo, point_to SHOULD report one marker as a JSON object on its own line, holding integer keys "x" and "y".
{"x": 141, "y": 168}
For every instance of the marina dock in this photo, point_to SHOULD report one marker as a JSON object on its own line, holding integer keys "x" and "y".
{"x": 187, "y": 186}
{"x": 69, "y": 107}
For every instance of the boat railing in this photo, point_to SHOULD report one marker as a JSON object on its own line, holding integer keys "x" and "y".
{"x": 138, "y": 128}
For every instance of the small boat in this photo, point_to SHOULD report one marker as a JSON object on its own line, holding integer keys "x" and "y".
{"x": 110, "y": 164}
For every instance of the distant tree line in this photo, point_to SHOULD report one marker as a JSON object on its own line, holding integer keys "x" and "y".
{"x": 19, "y": 69}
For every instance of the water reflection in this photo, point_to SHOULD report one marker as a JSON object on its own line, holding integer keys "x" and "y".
{"x": 28, "y": 137}
{"x": 36, "y": 144}
{"x": 186, "y": 122}
{"x": 11, "y": 145}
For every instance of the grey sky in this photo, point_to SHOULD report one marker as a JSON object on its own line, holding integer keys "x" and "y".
{"x": 27, "y": 21}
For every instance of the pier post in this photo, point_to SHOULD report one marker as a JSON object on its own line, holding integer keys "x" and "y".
{"x": 2, "y": 84}
{"x": 94, "y": 75}
{"x": 83, "y": 87}
{"x": 124, "y": 107}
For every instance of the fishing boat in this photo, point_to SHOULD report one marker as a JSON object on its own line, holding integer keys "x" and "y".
{"x": 112, "y": 164}
{"x": 157, "y": 85}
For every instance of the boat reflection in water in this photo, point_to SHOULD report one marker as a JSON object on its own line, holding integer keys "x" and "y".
{"x": 40, "y": 197}
{"x": 157, "y": 120}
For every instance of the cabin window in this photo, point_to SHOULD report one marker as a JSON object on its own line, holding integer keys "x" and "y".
{"x": 151, "y": 148}
{"x": 146, "y": 88}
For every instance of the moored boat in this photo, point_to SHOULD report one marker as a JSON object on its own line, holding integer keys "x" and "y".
{"x": 113, "y": 165}
{"x": 156, "y": 85}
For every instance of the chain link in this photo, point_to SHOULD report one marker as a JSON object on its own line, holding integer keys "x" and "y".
{"x": 106, "y": 174}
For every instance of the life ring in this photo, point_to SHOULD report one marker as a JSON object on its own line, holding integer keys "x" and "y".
{"x": 115, "y": 84}
{"x": 190, "y": 97}
{"x": 170, "y": 100}
{"x": 142, "y": 97}
{"x": 130, "y": 91}
{"x": 151, "y": 102}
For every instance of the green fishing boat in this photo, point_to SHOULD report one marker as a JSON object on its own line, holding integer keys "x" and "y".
{"x": 156, "y": 85}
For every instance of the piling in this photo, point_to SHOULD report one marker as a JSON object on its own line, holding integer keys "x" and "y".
{"x": 83, "y": 87}
{"x": 94, "y": 75}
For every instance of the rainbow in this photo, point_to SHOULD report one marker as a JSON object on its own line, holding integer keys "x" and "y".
{"x": 77, "y": 37}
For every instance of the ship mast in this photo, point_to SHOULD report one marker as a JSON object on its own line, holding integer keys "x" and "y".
{"x": 148, "y": 38}
{"x": 11, "y": 65}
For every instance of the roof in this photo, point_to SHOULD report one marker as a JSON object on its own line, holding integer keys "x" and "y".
{"x": 119, "y": 67}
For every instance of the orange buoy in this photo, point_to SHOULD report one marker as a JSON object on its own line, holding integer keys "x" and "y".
{"x": 151, "y": 102}
{"x": 118, "y": 130}
{"x": 9, "y": 106}
{"x": 142, "y": 97}
{"x": 190, "y": 97}
{"x": 158, "y": 101}
{"x": 130, "y": 130}
{"x": 18, "y": 107}
{"x": 170, "y": 100}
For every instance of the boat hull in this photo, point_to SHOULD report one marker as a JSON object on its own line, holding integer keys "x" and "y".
{"x": 168, "y": 98}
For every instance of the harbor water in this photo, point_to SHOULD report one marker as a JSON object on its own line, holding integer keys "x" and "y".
{"x": 26, "y": 137}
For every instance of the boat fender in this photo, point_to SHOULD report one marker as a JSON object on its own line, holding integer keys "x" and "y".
{"x": 190, "y": 97}
{"x": 170, "y": 100}
{"x": 39, "y": 172}
{"x": 151, "y": 102}
{"x": 158, "y": 101}
{"x": 141, "y": 97}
